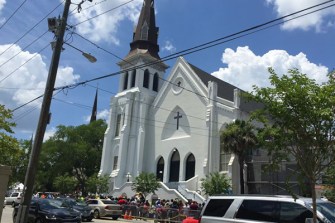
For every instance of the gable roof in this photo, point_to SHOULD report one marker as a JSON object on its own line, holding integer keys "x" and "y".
{"x": 225, "y": 90}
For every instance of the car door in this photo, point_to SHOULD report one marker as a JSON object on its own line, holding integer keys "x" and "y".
{"x": 32, "y": 211}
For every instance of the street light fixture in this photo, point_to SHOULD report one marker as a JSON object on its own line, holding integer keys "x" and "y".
{"x": 88, "y": 56}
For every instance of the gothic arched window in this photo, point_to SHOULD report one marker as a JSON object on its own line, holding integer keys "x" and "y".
{"x": 160, "y": 169}
{"x": 125, "y": 81}
{"x": 155, "y": 84}
{"x": 146, "y": 78}
{"x": 190, "y": 167}
{"x": 133, "y": 78}
{"x": 174, "y": 166}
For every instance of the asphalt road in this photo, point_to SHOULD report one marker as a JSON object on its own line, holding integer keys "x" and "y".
{"x": 8, "y": 210}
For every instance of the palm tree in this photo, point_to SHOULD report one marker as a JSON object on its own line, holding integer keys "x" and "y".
{"x": 239, "y": 138}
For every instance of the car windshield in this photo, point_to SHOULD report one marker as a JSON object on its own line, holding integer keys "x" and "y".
{"x": 107, "y": 201}
{"x": 327, "y": 209}
{"x": 76, "y": 203}
{"x": 46, "y": 204}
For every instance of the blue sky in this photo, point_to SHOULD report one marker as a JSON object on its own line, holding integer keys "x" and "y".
{"x": 306, "y": 43}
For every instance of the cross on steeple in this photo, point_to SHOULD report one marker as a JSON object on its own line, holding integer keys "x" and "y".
{"x": 178, "y": 117}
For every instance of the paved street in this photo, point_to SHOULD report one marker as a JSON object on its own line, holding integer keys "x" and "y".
{"x": 7, "y": 217}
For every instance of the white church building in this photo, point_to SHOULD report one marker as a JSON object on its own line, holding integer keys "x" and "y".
{"x": 168, "y": 127}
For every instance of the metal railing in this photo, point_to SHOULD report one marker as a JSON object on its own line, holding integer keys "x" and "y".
{"x": 159, "y": 214}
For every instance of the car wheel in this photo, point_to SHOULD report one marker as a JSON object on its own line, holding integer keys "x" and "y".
{"x": 114, "y": 217}
{"x": 13, "y": 204}
{"x": 96, "y": 214}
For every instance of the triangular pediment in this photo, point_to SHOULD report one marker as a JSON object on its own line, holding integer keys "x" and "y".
{"x": 182, "y": 78}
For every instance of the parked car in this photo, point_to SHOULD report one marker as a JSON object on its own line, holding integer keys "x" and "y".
{"x": 249, "y": 209}
{"x": 82, "y": 207}
{"x": 14, "y": 198}
{"x": 49, "y": 210}
{"x": 105, "y": 207}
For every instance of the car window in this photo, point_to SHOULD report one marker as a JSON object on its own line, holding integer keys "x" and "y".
{"x": 15, "y": 194}
{"x": 293, "y": 213}
{"x": 258, "y": 210}
{"x": 217, "y": 207}
{"x": 92, "y": 202}
{"x": 50, "y": 204}
{"x": 327, "y": 209}
{"x": 107, "y": 201}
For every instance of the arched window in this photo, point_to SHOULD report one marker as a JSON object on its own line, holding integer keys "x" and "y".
{"x": 190, "y": 167}
{"x": 160, "y": 169}
{"x": 146, "y": 78}
{"x": 133, "y": 78}
{"x": 125, "y": 81}
{"x": 155, "y": 84}
{"x": 174, "y": 166}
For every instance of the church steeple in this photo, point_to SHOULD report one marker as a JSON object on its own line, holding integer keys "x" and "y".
{"x": 146, "y": 33}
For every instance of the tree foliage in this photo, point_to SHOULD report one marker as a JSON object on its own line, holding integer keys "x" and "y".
{"x": 98, "y": 184}
{"x": 10, "y": 150}
{"x": 239, "y": 137}
{"x": 65, "y": 184}
{"x": 215, "y": 183}
{"x": 299, "y": 122}
{"x": 73, "y": 150}
{"x": 145, "y": 183}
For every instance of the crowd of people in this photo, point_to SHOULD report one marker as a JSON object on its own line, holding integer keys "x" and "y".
{"x": 138, "y": 205}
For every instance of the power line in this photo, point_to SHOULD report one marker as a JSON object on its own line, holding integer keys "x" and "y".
{"x": 15, "y": 11}
{"x": 32, "y": 57}
{"x": 86, "y": 20}
{"x": 203, "y": 46}
{"x": 26, "y": 33}
{"x": 39, "y": 37}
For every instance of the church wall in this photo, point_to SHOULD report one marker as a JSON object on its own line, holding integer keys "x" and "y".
{"x": 191, "y": 135}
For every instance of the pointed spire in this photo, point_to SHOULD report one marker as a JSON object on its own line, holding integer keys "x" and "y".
{"x": 94, "y": 109}
{"x": 146, "y": 33}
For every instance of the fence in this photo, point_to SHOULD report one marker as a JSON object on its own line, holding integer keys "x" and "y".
{"x": 161, "y": 214}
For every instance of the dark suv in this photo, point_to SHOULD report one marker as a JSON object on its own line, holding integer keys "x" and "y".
{"x": 252, "y": 209}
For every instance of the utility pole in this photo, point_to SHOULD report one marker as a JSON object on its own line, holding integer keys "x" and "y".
{"x": 43, "y": 119}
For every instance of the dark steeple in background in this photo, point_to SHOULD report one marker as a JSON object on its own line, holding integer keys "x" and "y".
{"x": 146, "y": 33}
{"x": 95, "y": 108}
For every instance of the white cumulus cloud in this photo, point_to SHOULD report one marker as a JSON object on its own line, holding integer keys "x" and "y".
{"x": 169, "y": 47}
{"x": 102, "y": 20}
{"x": 103, "y": 114}
{"x": 316, "y": 20}
{"x": 245, "y": 68}
{"x": 22, "y": 81}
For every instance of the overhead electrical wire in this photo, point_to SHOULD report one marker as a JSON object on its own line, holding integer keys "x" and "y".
{"x": 203, "y": 46}
{"x": 33, "y": 27}
{"x": 15, "y": 11}
{"x": 32, "y": 57}
{"x": 45, "y": 33}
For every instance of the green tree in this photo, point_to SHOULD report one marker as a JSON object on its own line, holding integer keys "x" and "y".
{"x": 9, "y": 146}
{"x": 215, "y": 183}
{"x": 239, "y": 138}
{"x": 299, "y": 122}
{"x": 73, "y": 150}
{"x": 65, "y": 184}
{"x": 145, "y": 183}
{"x": 98, "y": 184}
